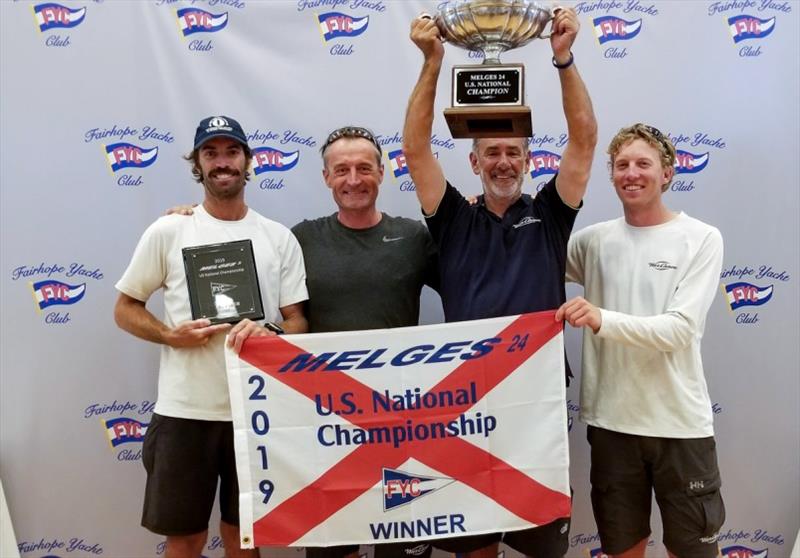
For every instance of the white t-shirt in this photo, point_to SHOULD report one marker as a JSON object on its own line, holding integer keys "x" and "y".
{"x": 192, "y": 381}
{"x": 642, "y": 372}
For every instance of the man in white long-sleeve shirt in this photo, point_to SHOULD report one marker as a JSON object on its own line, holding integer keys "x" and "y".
{"x": 649, "y": 279}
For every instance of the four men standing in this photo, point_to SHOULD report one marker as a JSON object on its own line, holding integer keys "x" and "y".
{"x": 649, "y": 280}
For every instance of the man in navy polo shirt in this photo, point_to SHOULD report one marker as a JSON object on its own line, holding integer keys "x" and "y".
{"x": 506, "y": 254}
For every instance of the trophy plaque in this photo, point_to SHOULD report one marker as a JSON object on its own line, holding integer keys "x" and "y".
{"x": 222, "y": 281}
{"x": 488, "y": 100}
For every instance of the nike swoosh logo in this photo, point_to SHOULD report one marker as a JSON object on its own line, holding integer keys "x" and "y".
{"x": 387, "y": 239}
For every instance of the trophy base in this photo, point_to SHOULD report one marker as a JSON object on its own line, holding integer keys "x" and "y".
{"x": 489, "y": 122}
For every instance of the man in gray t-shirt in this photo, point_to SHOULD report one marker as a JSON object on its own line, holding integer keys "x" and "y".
{"x": 364, "y": 269}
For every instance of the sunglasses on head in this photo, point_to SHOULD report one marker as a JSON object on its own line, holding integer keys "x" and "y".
{"x": 656, "y": 133}
{"x": 351, "y": 132}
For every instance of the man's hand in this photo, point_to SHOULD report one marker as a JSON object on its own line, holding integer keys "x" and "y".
{"x": 579, "y": 312}
{"x": 243, "y": 330}
{"x": 563, "y": 32}
{"x": 425, "y": 34}
{"x": 194, "y": 333}
{"x": 181, "y": 209}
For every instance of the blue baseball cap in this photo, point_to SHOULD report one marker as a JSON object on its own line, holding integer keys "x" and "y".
{"x": 219, "y": 126}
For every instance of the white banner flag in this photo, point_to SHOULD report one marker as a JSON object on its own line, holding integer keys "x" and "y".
{"x": 409, "y": 433}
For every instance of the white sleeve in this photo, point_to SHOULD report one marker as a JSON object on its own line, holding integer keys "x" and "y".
{"x": 576, "y": 256}
{"x": 683, "y": 319}
{"x": 147, "y": 270}
{"x": 293, "y": 273}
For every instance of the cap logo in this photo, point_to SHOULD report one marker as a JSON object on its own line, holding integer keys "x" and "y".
{"x": 217, "y": 122}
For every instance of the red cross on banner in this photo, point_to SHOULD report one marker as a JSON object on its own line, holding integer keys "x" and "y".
{"x": 411, "y": 433}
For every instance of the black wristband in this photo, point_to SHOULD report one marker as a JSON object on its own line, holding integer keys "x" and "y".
{"x": 272, "y": 326}
{"x": 566, "y": 64}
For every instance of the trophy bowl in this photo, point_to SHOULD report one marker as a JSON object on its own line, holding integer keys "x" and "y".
{"x": 492, "y": 26}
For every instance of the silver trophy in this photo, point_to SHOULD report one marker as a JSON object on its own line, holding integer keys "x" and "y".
{"x": 488, "y": 100}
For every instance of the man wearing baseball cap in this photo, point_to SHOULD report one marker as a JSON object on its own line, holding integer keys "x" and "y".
{"x": 189, "y": 442}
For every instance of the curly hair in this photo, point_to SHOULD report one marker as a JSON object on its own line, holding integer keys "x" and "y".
{"x": 653, "y": 136}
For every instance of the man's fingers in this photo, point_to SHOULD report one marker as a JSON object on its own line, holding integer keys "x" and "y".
{"x": 214, "y": 329}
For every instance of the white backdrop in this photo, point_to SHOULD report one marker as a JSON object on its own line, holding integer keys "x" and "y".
{"x": 79, "y": 76}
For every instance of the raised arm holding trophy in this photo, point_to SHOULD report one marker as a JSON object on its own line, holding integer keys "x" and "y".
{"x": 505, "y": 254}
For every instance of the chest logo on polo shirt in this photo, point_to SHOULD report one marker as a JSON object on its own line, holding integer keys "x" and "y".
{"x": 662, "y": 265}
{"x": 392, "y": 239}
{"x": 526, "y": 221}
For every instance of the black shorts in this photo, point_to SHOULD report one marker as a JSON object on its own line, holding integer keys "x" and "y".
{"x": 183, "y": 459}
{"x": 683, "y": 472}
{"x": 384, "y": 550}
{"x": 546, "y": 541}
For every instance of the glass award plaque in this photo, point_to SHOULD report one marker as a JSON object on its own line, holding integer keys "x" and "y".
{"x": 223, "y": 283}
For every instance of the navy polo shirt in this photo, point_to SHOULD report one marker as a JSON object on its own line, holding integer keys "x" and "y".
{"x": 494, "y": 267}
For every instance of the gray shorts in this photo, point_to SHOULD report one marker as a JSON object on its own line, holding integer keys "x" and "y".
{"x": 627, "y": 469}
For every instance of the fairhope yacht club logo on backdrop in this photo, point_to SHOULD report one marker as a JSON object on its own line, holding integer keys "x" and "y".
{"x": 545, "y": 157}
{"x": 749, "y": 22}
{"x": 687, "y": 162}
{"x": 129, "y": 150}
{"x": 54, "y": 286}
{"x": 747, "y": 289}
{"x": 616, "y": 22}
{"x": 50, "y": 16}
{"x": 395, "y": 160}
{"x": 693, "y": 155}
{"x": 124, "y": 424}
{"x": 338, "y": 27}
{"x": 275, "y": 154}
{"x": 55, "y": 547}
{"x": 544, "y": 163}
{"x": 195, "y": 23}
{"x": 752, "y": 543}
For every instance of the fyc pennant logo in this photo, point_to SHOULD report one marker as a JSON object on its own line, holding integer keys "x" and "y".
{"x": 690, "y": 163}
{"x": 50, "y": 293}
{"x": 746, "y": 294}
{"x": 336, "y": 24}
{"x": 612, "y": 28}
{"x": 124, "y": 155}
{"x": 401, "y": 488}
{"x": 744, "y": 27}
{"x": 50, "y": 16}
{"x": 269, "y": 159}
{"x": 193, "y": 20}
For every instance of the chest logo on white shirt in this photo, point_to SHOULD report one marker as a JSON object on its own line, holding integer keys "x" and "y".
{"x": 662, "y": 265}
{"x": 526, "y": 221}
{"x": 392, "y": 239}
